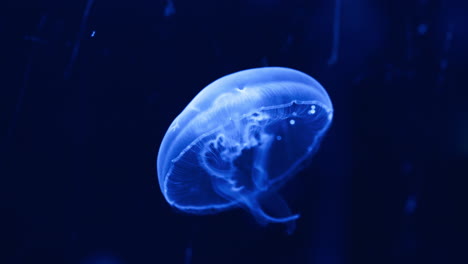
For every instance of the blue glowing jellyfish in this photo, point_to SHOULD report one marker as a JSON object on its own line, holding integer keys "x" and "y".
{"x": 240, "y": 139}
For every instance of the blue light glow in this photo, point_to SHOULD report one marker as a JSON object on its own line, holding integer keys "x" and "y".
{"x": 221, "y": 152}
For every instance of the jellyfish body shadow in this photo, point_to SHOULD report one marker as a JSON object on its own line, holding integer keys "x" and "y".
{"x": 240, "y": 139}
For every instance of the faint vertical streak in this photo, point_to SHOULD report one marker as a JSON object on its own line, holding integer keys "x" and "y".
{"x": 264, "y": 61}
{"x": 169, "y": 10}
{"x": 336, "y": 34}
{"x": 76, "y": 47}
{"x": 188, "y": 254}
{"x": 445, "y": 50}
{"x": 448, "y": 38}
{"x": 24, "y": 85}
{"x": 410, "y": 205}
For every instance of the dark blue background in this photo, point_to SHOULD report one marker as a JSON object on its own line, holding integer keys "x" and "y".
{"x": 82, "y": 118}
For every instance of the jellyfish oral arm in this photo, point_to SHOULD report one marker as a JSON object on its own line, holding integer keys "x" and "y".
{"x": 259, "y": 175}
{"x": 257, "y": 198}
{"x": 256, "y": 203}
{"x": 278, "y": 208}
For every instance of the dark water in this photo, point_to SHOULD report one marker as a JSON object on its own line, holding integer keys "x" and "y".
{"x": 88, "y": 89}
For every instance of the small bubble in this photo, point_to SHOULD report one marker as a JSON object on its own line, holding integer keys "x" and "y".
{"x": 410, "y": 205}
{"x": 294, "y": 114}
{"x": 93, "y": 33}
{"x": 422, "y": 29}
{"x": 312, "y": 110}
{"x": 292, "y": 122}
{"x": 278, "y": 138}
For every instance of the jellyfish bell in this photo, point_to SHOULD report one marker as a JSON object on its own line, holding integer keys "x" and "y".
{"x": 240, "y": 139}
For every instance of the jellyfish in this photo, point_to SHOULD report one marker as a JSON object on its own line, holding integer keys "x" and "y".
{"x": 240, "y": 140}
